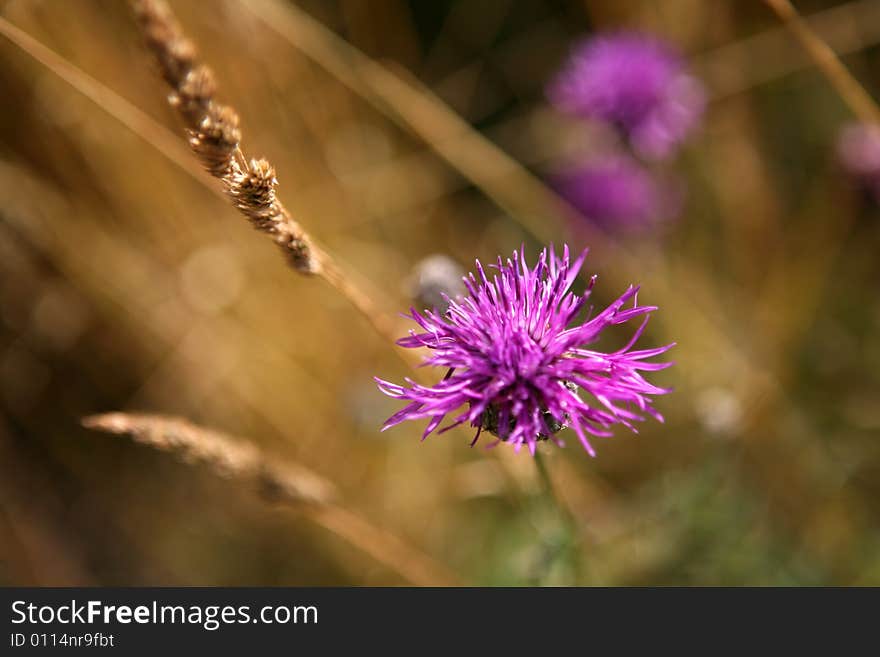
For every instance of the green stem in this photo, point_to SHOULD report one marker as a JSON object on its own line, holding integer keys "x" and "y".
{"x": 560, "y": 543}
{"x": 544, "y": 476}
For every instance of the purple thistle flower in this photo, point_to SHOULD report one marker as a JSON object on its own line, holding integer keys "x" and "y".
{"x": 858, "y": 149}
{"x": 635, "y": 82}
{"x": 520, "y": 364}
{"x": 619, "y": 193}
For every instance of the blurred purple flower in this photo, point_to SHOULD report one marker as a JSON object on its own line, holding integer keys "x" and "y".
{"x": 636, "y": 82}
{"x": 619, "y": 193}
{"x": 519, "y": 362}
{"x": 858, "y": 149}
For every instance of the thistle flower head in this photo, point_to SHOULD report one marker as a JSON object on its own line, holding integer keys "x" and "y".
{"x": 434, "y": 279}
{"x": 620, "y": 194}
{"x": 858, "y": 149}
{"x": 520, "y": 363}
{"x": 635, "y": 82}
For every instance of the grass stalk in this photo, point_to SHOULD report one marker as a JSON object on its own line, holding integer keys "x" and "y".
{"x": 284, "y": 483}
{"x": 848, "y": 88}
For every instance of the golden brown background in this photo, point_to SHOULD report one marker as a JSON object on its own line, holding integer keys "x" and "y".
{"x": 127, "y": 283}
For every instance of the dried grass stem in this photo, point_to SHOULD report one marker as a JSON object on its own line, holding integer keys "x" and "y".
{"x": 226, "y": 456}
{"x": 215, "y": 137}
{"x": 283, "y": 482}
